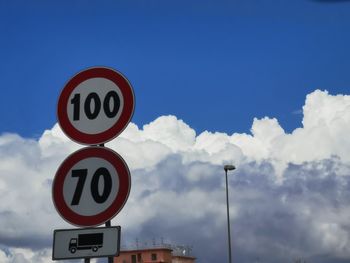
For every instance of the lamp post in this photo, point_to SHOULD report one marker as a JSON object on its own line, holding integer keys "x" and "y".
{"x": 228, "y": 168}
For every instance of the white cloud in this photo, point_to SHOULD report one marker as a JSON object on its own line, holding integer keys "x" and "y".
{"x": 288, "y": 198}
{"x": 171, "y": 132}
{"x": 20, "y": 255}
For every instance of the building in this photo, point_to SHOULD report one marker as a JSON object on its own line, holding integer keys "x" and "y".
{"x": 157, "y": 254}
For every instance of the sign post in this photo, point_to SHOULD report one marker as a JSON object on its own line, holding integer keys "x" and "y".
{"x": 92, "y": 185}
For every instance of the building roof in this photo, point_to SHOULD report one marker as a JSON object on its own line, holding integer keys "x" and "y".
{"x": 146, "y": 249}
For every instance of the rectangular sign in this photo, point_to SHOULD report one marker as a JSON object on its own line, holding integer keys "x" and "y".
{"x": 86, "y": 243}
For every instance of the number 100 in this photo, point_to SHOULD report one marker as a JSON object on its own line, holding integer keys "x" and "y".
{"x": 92, "y": 112}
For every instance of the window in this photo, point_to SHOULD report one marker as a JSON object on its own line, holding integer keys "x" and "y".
{"x": 133, "y": 258}
{"x": 154, "y": 257}
{"x": 138, "y": 257}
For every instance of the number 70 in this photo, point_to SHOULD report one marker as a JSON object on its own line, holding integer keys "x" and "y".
{"x": 82, "y": 174}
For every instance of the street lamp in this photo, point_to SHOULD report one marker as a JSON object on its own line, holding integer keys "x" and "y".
{"x": 228, "y": 168}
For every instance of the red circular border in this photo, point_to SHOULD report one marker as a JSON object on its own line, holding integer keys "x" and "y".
{"x": 121, "y": 123}
{"x": 124, "y": 186}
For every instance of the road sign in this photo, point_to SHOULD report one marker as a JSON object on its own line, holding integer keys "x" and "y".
{"x": 86, "y": 243}
{"x": 95, "y": 106}
{"x": 91, "y": 186}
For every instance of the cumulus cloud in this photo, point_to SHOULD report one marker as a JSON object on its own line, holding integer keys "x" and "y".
{"x": 288, "y": 198}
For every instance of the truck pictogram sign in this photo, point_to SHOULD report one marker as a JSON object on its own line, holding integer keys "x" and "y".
{"x": 86, "y": 243}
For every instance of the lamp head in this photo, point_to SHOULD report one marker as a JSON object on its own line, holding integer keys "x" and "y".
{"x": 229, "y": 167}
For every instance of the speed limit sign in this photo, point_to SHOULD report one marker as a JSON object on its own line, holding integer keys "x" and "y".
{"x": 91, "y": 186}
{"x": 95, "y": 106}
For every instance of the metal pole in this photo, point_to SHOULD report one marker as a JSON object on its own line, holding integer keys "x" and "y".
{"x": 108, "y": 224}
{"x": 228, "y": 222}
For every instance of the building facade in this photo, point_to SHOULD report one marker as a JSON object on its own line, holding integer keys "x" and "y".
{"x": 153, "y": 255}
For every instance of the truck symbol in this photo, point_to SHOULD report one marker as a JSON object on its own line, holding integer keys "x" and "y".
{"x": 86, "y": 241}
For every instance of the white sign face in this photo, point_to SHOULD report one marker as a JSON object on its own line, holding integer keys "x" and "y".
{"x": 95, "y": 105}
{"x": 86, "y": 243}
{"x": 91, "y": 186}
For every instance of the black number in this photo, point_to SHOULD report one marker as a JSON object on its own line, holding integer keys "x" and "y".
{"x": 116, "y": 104}
{"x": 76, "y": 110}
{"x": 81, "y": 174}
{"x": 93, "y": 112}
{"x": 107, "y": 185}
{"x": 97, "y": 106}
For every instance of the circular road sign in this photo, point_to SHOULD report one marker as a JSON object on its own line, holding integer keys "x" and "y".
{"x": 95, "y": 105}
{"x": 91, "y": 186}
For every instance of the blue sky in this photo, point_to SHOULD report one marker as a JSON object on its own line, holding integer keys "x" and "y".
{"x": 205, "y": 74}
{"x": 214, "y": 64}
